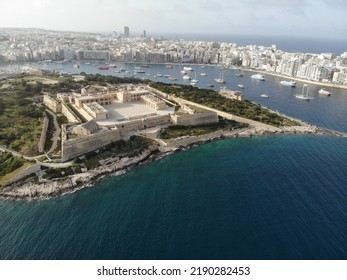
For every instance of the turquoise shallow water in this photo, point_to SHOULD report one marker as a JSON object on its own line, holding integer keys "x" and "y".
{"x": 276, "y": 197}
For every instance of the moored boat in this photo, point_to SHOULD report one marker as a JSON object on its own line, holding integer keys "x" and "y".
{"x": 264, "y": 95}
{"x": 103, "y": 68}
{"x": 325, "y": 92}
{"x": 220, "y": 80}
{"x": 258, "y": 77}
{"x": 304, "y": 95}
{"x": 185, "y": 68}
{"x": 288, "y": 83}
{"x": 241, "y": 86}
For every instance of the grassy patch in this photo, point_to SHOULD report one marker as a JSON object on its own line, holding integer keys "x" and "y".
{"x": 4, "y": 179}
{"x": 175, "y": 131}
{"x": 10, "y": 166}
{"x": 121, "y": 148}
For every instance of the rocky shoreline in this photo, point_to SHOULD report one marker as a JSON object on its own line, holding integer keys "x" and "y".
{"x": 53, "y": 188}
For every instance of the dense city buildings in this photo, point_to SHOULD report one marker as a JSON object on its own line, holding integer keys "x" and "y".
{"x": 25, "y": 45}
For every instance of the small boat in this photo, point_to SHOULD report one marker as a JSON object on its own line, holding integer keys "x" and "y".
{"x": 172, "y": 78}
{"x": 186, "y": 77}
{"x": 112, "y": 65}
{"x": 264, "y": 96}
{"x": 103, "y": 68}
{"x": 239, "y": 75}
{"x": 167, "y": 76}
{"x": 241, "y": 86}
{"x": 169, "y": 67}
{"x": 258, "y": 77}
{"x": 145, "y": 65}
{"x": 289, "y": 84}
{"x": 139, "y": 71}
{"x": 159, "y": 75}
{"x": 187, "y": 68}
{"x": 122, "y": 70}
{"x": 203, "y": 74}
{"x": 192, "y": 83}
{"x": 183, "y": 72}
{"x": 220, "y": 80}
{"x": 195, "y": 81}
{"x": 76, "y": 66}
{"x": 210, "y": 85}
{"x": 325, "y": 92}
{"x": 304, "y": 95}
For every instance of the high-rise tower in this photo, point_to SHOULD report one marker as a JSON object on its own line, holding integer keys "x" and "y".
{"x": 126, "y": 32}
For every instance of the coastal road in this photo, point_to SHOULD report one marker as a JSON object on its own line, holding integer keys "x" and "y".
{"x": 36, "y": 159}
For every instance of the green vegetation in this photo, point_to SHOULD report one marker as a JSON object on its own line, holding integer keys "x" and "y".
{"x": 175, "y": 131}
{"x": 53, "y": 173}
{"x": 120, "y": 148}
{"x": 9, "y": 163}
{"x": 211, "y": 99}
{"x": 20, "y": 119}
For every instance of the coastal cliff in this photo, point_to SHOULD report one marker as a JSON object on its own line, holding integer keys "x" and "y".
{"x": 116, "y": 166}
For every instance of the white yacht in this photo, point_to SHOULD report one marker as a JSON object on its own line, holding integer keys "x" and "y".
{"x": 258, "y": 77}
{"x": 220, "y": 80}
{"x": 323, "y": 91}
{"x": 264, "y": 96}
{"x": 195, "y": 81}
{"x": 288, "y": 83}
{"x": 185, "y": 68}
{"x": 304, "y": 95}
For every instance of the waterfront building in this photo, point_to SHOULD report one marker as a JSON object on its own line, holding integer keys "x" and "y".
{"x": 23, "y": 46}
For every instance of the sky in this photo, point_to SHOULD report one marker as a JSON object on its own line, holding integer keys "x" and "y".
{"x": 307, "y": 18}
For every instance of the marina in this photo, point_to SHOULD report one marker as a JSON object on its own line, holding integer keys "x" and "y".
{"x": 282, "y": 97}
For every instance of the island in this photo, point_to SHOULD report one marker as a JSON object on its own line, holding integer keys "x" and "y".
{"x": 60, "y": 133}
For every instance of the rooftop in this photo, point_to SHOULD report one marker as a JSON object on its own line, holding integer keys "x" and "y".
{"x": 119, "y": 112}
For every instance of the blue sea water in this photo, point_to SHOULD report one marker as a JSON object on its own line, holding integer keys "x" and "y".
{"x": 285, "y": 43}
{"x": 280, "y": 197}
{"x": 271, "y": 197}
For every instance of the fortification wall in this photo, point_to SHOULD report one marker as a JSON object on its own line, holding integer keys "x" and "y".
{"x": 84, "y": 113}
{"x": 69, "y": 114}
{"x": 223, "y": 114}
{"x": 195, "y": 119}
{"x": 157, "y": 92}
{"x": 42, "y": 142}
{"x": 73, "y": 148}
{"x": 144, "y": 123}
{"x": 52, "y": 103}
